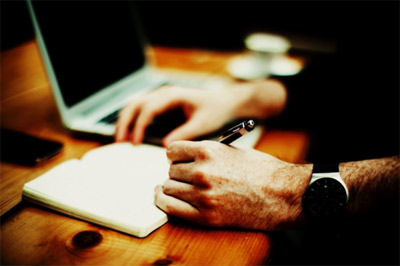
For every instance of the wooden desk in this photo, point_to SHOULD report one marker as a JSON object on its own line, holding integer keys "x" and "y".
{"x": 33, "y": 235}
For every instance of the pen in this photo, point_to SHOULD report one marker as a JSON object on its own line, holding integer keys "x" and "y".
{"x": 236, "y": 132}
{"x": 231, "y": 134}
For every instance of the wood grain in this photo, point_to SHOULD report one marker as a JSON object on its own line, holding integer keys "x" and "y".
{"x": 50, "y": 238}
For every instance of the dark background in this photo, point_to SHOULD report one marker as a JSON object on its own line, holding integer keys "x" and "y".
{"x": 216, "y": 24}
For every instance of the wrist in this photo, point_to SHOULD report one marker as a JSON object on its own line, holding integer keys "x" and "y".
{"x": 297, "y": 178}
{"x": 303, "y": 174}
{"x": 260, "y": 100}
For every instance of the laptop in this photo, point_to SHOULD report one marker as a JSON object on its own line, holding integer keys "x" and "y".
{"x": 94, "y": 54}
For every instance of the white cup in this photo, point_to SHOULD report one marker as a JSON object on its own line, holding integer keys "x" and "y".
{"x": 265, "y": 48}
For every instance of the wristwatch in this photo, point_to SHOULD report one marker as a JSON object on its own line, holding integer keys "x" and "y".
{"x": 326, "y": 196}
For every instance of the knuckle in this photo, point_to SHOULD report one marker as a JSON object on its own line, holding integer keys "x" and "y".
{"x": 207, "y": 150}
{"x": 207, "y": 199}
{"x": 175, "y": 147}
{"x": 200, "y": 178}
{"x": 170, "y": 150}
{"x": 204, "y": 152}
{"x": 212, "y": 218}
{"x": 169, "y": 209}
{"x": 203, "y": 199}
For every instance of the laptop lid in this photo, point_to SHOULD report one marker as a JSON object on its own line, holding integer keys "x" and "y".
{"x": 90, "y": 50}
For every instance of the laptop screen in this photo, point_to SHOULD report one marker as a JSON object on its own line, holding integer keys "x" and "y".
{"x": 91, "y": 44}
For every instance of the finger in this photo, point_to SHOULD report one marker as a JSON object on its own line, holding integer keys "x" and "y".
{"x": 189, "y": 151}
{"x": 125, "y": 119}
{"x": 182, "y": 172}
{"x": 187, "y": 131}
{"x": 143, "y": 120}
{"x": 149, "y": 110}
{"x": 180, "y": 190}
{"x": 174, "y": 206}
{"x": 181, "y": 151}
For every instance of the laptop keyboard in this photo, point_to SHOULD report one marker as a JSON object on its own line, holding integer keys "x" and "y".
{"x": 111, "y": 118}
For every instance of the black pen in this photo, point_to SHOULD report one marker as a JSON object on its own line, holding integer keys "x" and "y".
{"x": 236, "y": 132}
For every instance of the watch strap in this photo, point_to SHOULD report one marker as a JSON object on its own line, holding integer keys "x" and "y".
{"x": 326, "y": 167}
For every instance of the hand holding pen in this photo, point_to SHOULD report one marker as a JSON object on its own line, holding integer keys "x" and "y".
{"x": 218, "y": 185}
{"x": 230, "y": 135}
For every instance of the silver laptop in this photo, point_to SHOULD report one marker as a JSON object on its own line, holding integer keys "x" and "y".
{"x": 94, "y": 55}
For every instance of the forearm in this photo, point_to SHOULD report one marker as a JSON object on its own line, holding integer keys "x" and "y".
{"x": 371, "y": 182}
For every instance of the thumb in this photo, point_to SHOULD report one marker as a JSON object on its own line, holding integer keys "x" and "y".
{"x": 187, "y": 131}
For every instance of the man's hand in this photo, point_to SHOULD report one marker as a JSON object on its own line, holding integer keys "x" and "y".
{"x": 206, "y": 111}
{"x": 219, "y": 185}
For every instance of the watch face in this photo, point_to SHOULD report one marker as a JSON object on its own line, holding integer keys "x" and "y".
{"x": 326, "y": 197}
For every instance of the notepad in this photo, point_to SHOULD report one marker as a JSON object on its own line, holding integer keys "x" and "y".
{"x": 112, "y": 186}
